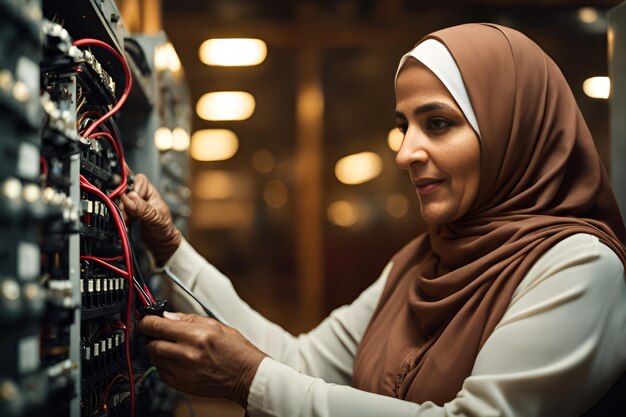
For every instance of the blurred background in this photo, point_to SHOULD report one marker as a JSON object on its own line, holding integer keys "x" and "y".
{"x": 295, "y": 194}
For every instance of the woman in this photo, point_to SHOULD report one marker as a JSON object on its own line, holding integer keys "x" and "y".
{"x": 511, "y": 304}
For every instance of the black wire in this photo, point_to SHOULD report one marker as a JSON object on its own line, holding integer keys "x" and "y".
{"x": 136, "y": 265}
{"x": 139, "y": 276}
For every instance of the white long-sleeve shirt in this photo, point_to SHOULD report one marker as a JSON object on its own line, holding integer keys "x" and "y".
{"x": 558, "y": 348}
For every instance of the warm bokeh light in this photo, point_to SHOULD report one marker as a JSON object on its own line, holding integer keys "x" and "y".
{"x": 263, "y": 161}
{"x": 12, "y": 188}
{"x": 597, "y": 87}
{"x": 21, "y": 92}
{"x": 232, "y": 52}
{"x": 166, "y": 58}
{"x": 588, "y": 14}
{"x": 358, "y": 168}
{"x": 275, "y": 193}
{"x": 213, "y": 144}
{"x": 225, "y": 105}
{"x": 397, "y": 205}
{"x": 310, "y": 103}
{"x": 214, "y": 185}
{"x": 31, "y": 192}
{"x": 163, "y": 139}
{"x": 180, "y": 139}
{"x": 394, "y": 139}
{"x": 342, "y": 213}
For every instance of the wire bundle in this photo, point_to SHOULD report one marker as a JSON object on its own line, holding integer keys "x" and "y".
{"x": 93, "y": 131}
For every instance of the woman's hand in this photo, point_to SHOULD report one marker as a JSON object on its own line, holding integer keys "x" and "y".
{"x": 157, "y": 228}
{"x": 200, "y": 356}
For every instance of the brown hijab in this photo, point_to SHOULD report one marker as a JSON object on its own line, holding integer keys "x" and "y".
{"x": 541, "y": 181}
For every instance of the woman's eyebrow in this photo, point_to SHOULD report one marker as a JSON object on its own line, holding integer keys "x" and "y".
{"x": 428, "y": 107}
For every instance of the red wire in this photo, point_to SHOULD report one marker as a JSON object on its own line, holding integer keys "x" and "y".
{"x": 114, "y": 135}
{"x": 106, "y": 264}
{"x": 122, "y": 273}
{"x": 105, "y": 397}
{"x": 122, "y": 188}
{"x": 114, "y": 258}
{"x": 44, "y": 166}
{"x": 118, "y": 190}
{"x": 127, "y": 75}
{"x": 148, "y": 293}
{"x": 129, "y": 268}
{"x": 123, "y": 185}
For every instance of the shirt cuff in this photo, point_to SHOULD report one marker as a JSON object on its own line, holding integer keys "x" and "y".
{"x": 258, "y": 388}
{"x": 278, "y": 390}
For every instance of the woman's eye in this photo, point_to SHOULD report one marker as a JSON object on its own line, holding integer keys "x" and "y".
{"x": 438, "y": 123}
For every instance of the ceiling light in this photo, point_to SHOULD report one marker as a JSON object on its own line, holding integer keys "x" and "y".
{"x": 588, "y": 14}
{"x": 180, "y": 139}
{"x": 358, "y": 168}
{"x": 163, "y": 139}
{"x": 213, "y": 144}
{"x": 225, "y": 105}
{"x": 233, "y": 52}
{"x": 597, "y": 87}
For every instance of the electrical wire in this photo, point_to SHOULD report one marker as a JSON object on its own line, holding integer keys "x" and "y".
{"x": 111, "y": 259}
{"x": 143, "y": 376}
{"x": 94, "y": 130}
{"x": 137, "y": 279}
{"x": 128, "y": 79}
{"x": 206, "y": 309}
{"x": 123, "y": 184}
{"x": 140, "y": 275}
{"x": 115, "y": 132}
{"x": 105, "y": 264}
{"x": 119, "y": 222}
{"x": 146, "y": 297}
{"x": 105, "y": 397}
{"x": 44, "y": 166}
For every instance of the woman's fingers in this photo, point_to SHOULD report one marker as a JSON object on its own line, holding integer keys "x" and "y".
{"x": 160, "y": 328}
{"x": 200, "y": 356}
{"x": 170, "y": 355}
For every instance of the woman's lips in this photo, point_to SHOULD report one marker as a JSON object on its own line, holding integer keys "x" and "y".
{"x": 427, "y": 187}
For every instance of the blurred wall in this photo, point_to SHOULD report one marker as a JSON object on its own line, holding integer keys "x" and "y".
{"x": 252, "y": 229}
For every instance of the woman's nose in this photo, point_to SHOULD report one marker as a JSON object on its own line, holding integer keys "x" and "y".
{"x": 411, "y": 151}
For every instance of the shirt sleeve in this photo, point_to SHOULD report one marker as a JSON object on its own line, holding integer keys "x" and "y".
{"x": 557, "y": 349}
{"x": 326, "y": 352}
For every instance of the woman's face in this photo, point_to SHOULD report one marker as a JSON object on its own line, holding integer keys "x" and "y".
{"x": 440, "y": 149}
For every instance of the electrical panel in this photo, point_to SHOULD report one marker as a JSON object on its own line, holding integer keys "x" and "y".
{"x": 80, "y": 101}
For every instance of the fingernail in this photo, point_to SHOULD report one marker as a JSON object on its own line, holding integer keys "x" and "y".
{"x": 171, "y": 316}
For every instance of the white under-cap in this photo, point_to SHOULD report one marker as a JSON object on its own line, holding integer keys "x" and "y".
{"x": 438, "y": 59}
